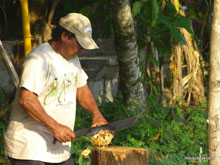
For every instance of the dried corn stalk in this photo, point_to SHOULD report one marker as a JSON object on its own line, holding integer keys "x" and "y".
{"x": 190, "y": 87}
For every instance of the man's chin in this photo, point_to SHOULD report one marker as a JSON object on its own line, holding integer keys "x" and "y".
{"x": 75, "y": 55}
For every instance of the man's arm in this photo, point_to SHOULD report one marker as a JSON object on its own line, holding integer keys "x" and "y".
{"x": 29, "y": 101}
{"x": 87, "y": 101}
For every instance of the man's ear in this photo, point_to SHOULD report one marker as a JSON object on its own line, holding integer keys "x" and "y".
{"x": 64, "y": 36}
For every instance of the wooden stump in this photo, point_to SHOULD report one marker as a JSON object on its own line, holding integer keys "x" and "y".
{"x": 117, "y": 155}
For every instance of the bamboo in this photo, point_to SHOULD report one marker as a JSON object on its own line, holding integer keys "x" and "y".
{"x": 26, "y": 26}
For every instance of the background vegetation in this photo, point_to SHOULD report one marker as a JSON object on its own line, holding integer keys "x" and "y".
{"x": 170, "y": 132}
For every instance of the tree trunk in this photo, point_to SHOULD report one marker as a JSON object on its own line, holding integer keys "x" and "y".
{"x": 214, "y": 89}
{"x": 127, "y": 51}
{"x": 119, "y": 156}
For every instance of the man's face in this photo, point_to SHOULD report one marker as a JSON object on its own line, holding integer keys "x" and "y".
{"x": 70, "y": 47}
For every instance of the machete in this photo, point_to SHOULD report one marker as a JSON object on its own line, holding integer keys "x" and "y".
{"x": 112, "y": 127}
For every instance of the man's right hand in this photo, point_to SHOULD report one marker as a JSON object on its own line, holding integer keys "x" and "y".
{"x": 63, "y": 133}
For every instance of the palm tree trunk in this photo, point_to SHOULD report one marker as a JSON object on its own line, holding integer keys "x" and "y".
{"x": 214, "y": 89}
{"x": 127, "y": 51}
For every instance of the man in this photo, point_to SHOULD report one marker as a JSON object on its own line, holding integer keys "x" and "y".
{"x": 45, "y": 102}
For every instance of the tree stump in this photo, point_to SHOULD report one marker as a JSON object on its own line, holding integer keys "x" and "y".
{"x": 117, "y": 155}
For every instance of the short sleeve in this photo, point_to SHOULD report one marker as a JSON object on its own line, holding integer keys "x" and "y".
{"x": 82, "y": 77}
{"x": 33, "y": 76}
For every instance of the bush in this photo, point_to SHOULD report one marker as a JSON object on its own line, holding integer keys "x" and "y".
{"x": 172, "y": 135}
{"x": 5, "y": 99}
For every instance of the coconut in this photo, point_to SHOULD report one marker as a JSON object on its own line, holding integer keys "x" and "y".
{"x": 103, "y": 138}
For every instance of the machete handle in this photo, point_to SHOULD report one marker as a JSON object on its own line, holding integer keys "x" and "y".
{"x": 54, "y": 140}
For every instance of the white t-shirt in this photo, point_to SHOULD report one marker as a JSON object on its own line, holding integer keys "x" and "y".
{"x": 54, "y": 80}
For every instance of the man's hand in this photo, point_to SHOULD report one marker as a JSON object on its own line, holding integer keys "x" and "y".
{"x": 98, "y": 119}
{"x": 63, "y": 133}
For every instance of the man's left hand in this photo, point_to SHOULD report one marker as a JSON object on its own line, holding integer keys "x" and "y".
{"x": 98, "y": 119}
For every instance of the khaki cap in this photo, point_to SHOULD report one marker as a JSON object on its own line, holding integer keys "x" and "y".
{"x": 81, "y": 27}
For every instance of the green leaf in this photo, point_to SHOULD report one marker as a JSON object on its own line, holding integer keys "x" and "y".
{"x": 153, "y": 60}
{"x": 171, "y": 6}
{"x": 148, "y": 9}
{"x": 203, "y": 104}
{"x": 201, "y": 15}
{"x": 180, "y": 114}
{"x": 166, "y": 20}
{"x": 183, "y": 22}
{"x": 177, "y": 35}
{"x": 191, "y": 16}
{"x": 136, "y": 8}
{"x": 80, "y": 161}
{"x": 155, "y": 12}
{"x": 137, "y": 102}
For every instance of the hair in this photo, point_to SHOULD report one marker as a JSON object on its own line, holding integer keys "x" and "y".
{"x": 57, "y": 31}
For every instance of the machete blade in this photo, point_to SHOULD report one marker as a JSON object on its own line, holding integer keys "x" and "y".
{"x": 113, "y": 126}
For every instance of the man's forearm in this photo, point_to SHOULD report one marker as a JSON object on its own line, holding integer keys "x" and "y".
{"x": 33, "y": 108}
{"x": 87, "y": 101}
{"x": 29, "y": 101}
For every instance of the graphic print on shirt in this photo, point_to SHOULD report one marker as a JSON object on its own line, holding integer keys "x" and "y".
{"x": 60, "y": 88}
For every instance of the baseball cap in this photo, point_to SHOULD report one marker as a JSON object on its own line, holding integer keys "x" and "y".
{"x": 81, "y": 27}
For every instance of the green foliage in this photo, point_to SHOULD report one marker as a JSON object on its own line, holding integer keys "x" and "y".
{"x": 136, "y": 8}
{"x": 171, "y": 134}
{"x": 152, "y": 10}
{"x": 78, "y": 145}
{"x": 153, "y": 60}
{"x": 155, "y": 12}
{"x": 182, "y": 133}
{"x": 4, "y": 116}
{"x": 162, "y": 25}
{"x": 175, "y": 33}
{"x": 3, "y": 124}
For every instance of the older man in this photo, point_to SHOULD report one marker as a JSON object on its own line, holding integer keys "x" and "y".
{"x": 45, "y": 104}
